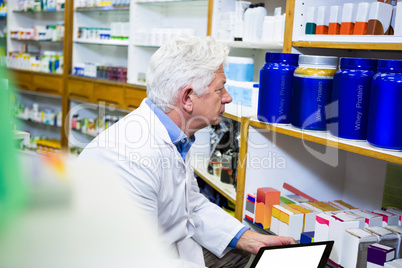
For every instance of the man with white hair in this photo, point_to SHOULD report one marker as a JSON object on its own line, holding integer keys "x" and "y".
{"x": 186, "y": 92}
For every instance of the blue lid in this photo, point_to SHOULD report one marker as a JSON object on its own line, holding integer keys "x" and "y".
{"x": 390, "y": 65}
{"x": 358, "y": 63}
{"x": 290, "y": 58}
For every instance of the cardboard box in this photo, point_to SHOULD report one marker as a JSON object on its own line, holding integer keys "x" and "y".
{"x": 266, "y": 198}
{"x": 321, "y": 230}
{"x": 388, "y": 218}
{"x": 249, "y": 212}
{"x": 354, "y": 248}
{"x": 378, "y": 254}
{"x": 370, "y": 218}
{"x": 309, "y": 217}
{"x": 398, "y": 231}
{"x": 337, "y": 228}
{"x": 385, "y": 236}
{"x": 290, "y": 222}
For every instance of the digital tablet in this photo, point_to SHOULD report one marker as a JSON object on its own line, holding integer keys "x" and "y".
{"x": 309, "y": 255}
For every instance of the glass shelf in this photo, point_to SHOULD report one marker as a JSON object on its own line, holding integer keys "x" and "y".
{"x": 105, "y": 8}
{"x": 102, "y": 42}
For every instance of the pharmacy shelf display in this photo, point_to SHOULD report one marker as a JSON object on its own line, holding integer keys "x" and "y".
{"x": 356, "y": 42}
{"x": 35, "y": 38}
{"x": 87, "y": 120}
{"x": 39, "y": 115}
{"x": 100, "y": 42}
{"x": 155, "y": 22}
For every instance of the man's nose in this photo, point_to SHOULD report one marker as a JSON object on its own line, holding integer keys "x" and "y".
{"x": 226, "y": 98}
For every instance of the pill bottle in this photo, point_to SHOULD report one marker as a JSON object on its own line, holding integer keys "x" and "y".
{"x": 351, "y": 97}
{"x": 311, "y": 94}
{"x": 385, "y": 115}
{"x": 276, "y": 82}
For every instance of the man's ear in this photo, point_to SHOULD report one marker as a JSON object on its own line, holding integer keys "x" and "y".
{"x": 185, "y": 99}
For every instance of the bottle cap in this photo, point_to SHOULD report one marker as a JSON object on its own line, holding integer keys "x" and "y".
{"x": 290, "y": 58}
{"x": 318, "y": 60}
{"x": 358, "y": 63}
{"x": 390, "y": 65}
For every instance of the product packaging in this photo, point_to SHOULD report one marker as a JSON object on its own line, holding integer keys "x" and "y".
{"x": 354, "y": 247}
{"x": 385, "y": 117}
{"x": 266, "y": 198}
{"x": 311, "y": 20}
{"x": 335, "y": 18}
{"x": 322, "y": 20}
{"x": 379, "y": 18}
{"x": 351, "y": 97}
{"x": 361, "y": 19}
{"x": 348, "y": 19}
{"x": 276, "y": 82}
{"x": 311, "y": 94}
{"x": 378, "y": 254}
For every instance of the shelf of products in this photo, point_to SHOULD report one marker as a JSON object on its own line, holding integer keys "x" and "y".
{"x": 338, "y": 41}
{"x": 227, "y": 190}
{"x": 105, "y": 8}
{"x": 324, "y": 138}
{"x": 103, "y": 42}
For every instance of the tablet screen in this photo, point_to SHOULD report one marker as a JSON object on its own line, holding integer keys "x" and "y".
{"x": 290, "y": 256}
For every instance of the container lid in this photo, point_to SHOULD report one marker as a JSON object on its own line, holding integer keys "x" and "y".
{"x": 290, "y": 58}
{"x": 358, "y": 63}
{"x": 240, "y": 60}
{"x": 390, "y": 65}
{"x": 318, "y": 60}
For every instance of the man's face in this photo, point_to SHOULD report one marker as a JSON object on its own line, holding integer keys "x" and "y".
{"x": 212, "y": 105}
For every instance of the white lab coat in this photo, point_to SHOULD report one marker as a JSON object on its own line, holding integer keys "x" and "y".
{"x": 163, "y": 185}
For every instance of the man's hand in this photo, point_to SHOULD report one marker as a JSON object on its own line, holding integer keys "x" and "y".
{"x": 251, "y": 241}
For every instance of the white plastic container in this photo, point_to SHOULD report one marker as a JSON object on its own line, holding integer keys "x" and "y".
{"x": 260, "y": 13}
{"x": 239, "y": 69}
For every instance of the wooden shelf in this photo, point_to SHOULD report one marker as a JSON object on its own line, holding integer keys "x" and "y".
{"x": 224, "y": 189}
{"x": 232, "y": 116}
{"x": 37, "y": 41}
{"x": 36, "y": 12}
{"x": 361, "y": 46}
{"x": 325, "y": 138}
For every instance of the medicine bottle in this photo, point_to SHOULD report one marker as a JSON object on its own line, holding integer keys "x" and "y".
{"x": 351, "y": 98}
{"x": 311, "y": 94}
{"x": 276, "y": 81}
{"x": 385, "y": 115}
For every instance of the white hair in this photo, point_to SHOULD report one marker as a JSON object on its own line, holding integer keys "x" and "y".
{"x": 181, "y": 62}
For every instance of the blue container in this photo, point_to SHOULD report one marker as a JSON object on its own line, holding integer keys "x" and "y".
{"x": 351, "y": 98}
{"x": 385, "y": 116}
{"x": 239, "y": 69}
{"x": 276, "y": 81}
{"x": 311, "y": 94}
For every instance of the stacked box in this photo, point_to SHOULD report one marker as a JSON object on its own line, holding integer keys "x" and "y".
{"x": 266, "y": 198}
{"x": 394, "y": 210}
{"x": 321, "y": 230}
{"x": 354, "y": 248}
{"x": 388, "y": 218}
{"x": 398, "y": 231}
{"x": 342, "y": 205}
{"x": 309, "y": 217}
{"x": 370, "y": 218}
{"x": 307, "y": 237}
{"x": 249, "y": 212}
{"x": 378, "y": 254}
{"x": 385, "y": 236}
{"x": 290, "y": 222}
{"x": 337, "y": 228}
